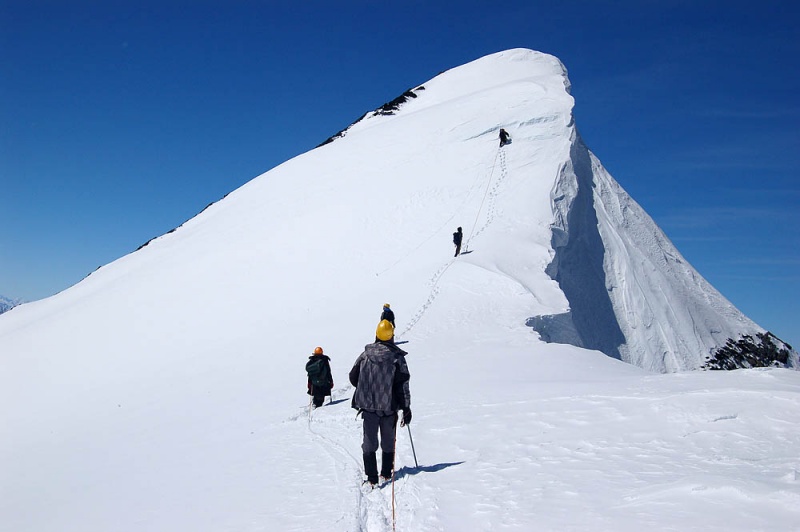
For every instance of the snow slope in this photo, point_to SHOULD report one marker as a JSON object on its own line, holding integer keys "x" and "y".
{"x": 130, "y": 403}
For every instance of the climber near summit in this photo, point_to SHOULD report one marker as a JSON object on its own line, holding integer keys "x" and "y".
{"x": 505, "y": 138}
{"x": 380, "y": 376}
{"x": 387, "y": 314}
{"x": 457, "y": 236}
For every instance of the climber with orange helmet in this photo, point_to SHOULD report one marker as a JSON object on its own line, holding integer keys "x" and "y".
{"x": 380, "y": 376}
{"x": 320, "y": 379}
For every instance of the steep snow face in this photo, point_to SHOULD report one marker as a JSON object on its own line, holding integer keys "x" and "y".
{"x": 632, "y": 295}
{"x": 672, "y": 318}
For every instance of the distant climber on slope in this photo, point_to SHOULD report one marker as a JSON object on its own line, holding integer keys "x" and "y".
{"x": 505, "y": 138}
{"x": 320, "y": 379}
{"x": 457, "y": 236}
{"x": 387, "y": 314}
{"x": 381, "y": 376}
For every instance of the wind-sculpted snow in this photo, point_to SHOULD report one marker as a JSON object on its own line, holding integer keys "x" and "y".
{"x": 132, "y": 403}
{"x": 631, "y": 293}
{"x": 671, "y": 316}
{"x": 579, "y": 261}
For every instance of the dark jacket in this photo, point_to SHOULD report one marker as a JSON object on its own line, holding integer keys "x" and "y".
{"x": 457, "y": 238}
{"x": 504, "y": 137}
{"x": 321, "y": 390}
{"x": 388, "y": 315}
{"x": 381, "y": 376}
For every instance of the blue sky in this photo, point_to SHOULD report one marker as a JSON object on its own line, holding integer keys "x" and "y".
{"x": 120, "y": 120}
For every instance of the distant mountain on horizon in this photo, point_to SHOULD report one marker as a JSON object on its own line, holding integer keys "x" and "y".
{"x": 7, "y": 303}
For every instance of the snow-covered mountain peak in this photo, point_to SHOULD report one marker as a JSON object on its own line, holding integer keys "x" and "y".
{"x": 542, "y": 73}
{"x": 139, "y": 405}
{"x": 485, "y": 79}
{"x": 353, "y": 217}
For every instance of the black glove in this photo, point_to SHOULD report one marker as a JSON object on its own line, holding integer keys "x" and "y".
{"x": 406, "y": 416}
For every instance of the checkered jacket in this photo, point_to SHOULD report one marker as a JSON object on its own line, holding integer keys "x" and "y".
{"x": 381, "y": 376}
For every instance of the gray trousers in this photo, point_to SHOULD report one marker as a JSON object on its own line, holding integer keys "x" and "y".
{"x": 374, "y": 423}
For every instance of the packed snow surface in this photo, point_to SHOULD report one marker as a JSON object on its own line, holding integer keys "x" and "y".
{"x": 134, "y": 401}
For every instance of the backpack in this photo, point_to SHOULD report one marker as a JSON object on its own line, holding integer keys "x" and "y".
{"x": 376, "y": 380}
{"x": 317, "y": 371}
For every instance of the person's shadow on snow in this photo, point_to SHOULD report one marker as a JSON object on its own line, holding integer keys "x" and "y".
{"x": 336, "y": 402}
{"x": 405, "y": 470}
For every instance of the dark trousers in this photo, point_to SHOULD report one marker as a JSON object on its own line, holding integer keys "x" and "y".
{"x": 319, "y": 393}
{"x": 374, "y": 424}
{"x": 318, "y": 399}
{"x": 458, "y": 249}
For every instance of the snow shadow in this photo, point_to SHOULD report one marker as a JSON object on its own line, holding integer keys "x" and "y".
{"x": 410, "y": 471}
{"x": 578, "y": 264}
{"x": 556, "y": 329}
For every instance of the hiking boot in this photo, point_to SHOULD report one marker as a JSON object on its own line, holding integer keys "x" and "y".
{"x": 387, "y": 465}
{"x": 371, "y": 468}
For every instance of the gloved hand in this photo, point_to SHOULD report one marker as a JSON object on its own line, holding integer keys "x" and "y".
{"x": 406, "y": 417}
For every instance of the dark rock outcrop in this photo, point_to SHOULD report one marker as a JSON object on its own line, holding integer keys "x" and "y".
{"x": 764, "y": 350}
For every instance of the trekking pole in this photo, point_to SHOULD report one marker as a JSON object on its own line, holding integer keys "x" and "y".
{"x": 412, "y": 445}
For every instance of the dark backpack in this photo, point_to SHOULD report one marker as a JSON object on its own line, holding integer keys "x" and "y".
{"x": 317, "y": 371}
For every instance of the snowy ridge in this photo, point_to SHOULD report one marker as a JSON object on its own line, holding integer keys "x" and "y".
{"x": 130, "y": 403}
{"x": 632, "y": 295}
